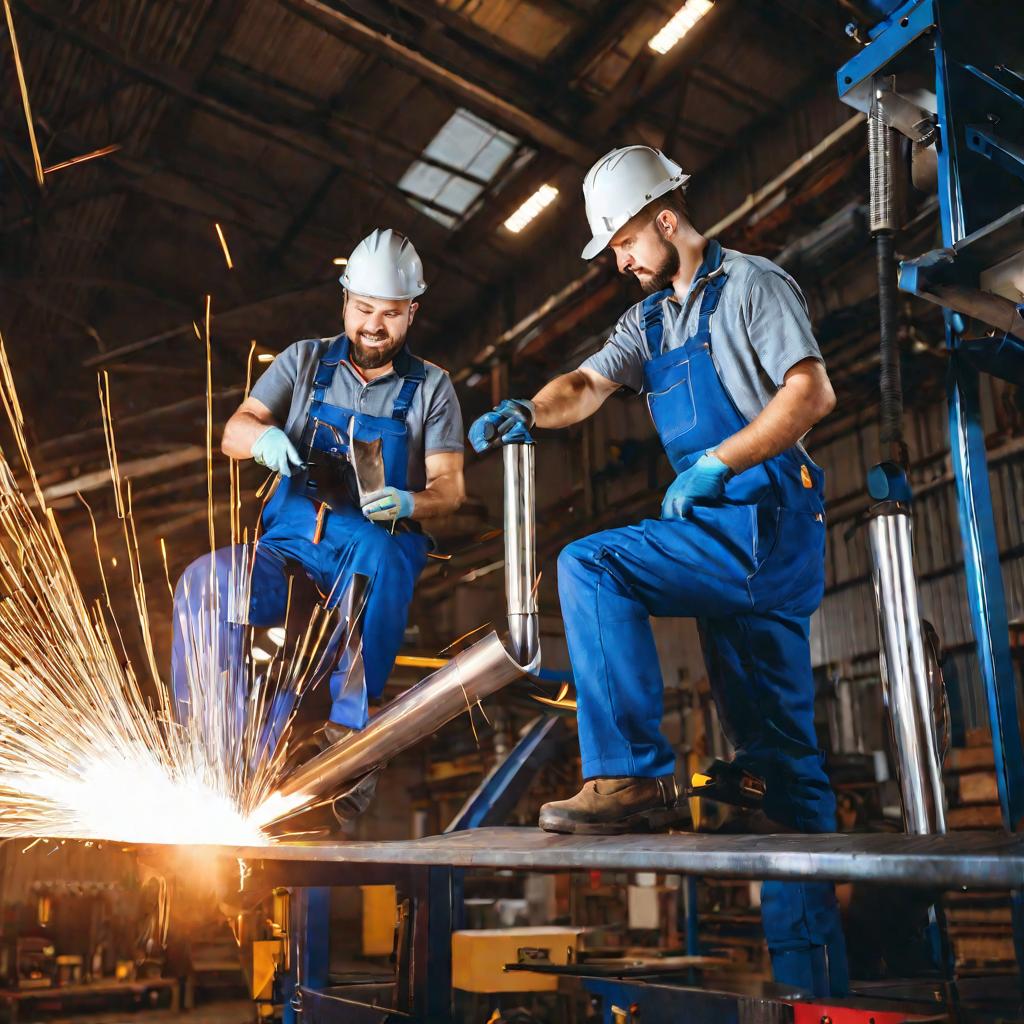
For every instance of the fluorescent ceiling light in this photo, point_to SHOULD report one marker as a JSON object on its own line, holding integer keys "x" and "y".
{"x": 464, "y": 143}
{"x": 265, "y": 357}
{"x": 679, "y": 24}
{"x": 340, "y": 261}
{"x": 544, "y": 196}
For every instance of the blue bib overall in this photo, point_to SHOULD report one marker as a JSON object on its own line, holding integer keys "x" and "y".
{"x": 349, "y": 543}
{"x": 751, "y": 571}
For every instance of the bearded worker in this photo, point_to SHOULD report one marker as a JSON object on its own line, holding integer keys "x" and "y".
{"x": 296, "y": 422}
{"x": 722, "y": 351}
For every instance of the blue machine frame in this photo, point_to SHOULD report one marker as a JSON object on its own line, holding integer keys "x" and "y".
{"x": 963, "y": 49}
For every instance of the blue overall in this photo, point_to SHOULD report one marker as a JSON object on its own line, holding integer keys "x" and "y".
{"x": 349, "y": 543}
{"x": 751, "y": 571}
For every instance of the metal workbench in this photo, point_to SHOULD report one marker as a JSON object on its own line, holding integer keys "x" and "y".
{"x": 988, "y": 860}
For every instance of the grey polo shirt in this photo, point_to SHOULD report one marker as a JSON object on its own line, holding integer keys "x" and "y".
{"x": 759, "y": 331}
{"x": 434, "y": 422}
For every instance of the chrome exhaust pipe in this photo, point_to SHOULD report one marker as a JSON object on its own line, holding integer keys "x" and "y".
{"x": 475, "y": 673}
{"x": 907, "y": 680}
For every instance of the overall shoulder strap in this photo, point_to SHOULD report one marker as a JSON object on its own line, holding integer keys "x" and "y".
{"x": 716, "y": 278}
{"x": 414, "y": 375}
{"x": 652, "y": 321}
{"x": 336, "y": 351}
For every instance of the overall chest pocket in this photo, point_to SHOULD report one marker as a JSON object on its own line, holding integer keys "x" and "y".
{"x": 672, "y": 409}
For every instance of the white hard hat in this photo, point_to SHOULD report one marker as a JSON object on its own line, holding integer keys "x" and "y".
{"x": 620, "y": 185}
{"x": 384, "y": 265}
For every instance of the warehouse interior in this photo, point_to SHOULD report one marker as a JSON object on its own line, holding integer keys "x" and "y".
{"x": 182, "y": 182}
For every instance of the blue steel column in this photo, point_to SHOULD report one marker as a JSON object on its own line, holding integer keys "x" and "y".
{"x": 985, "y": 582}
{"x": 970, "y": 467}
{"x": 982, "y": 567}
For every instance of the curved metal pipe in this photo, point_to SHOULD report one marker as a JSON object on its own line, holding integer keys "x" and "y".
{"x": 471, "y": 675}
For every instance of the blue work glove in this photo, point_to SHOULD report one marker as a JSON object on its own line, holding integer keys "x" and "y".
{"x": 489, "y": 430}
{"x": 274, "y": 449}
{"x": 389, "y": 504}
{"x": 703, "y": 483}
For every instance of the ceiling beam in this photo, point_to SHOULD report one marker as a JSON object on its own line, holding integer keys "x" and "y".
{"x": 215, "y": 317}
{"x": 128, "y": 470}
{"x": 96, "y": 434}
{"x": 187, "y": 87}
{"x": 538, "y": 127}
{"x": 304, "y": 110}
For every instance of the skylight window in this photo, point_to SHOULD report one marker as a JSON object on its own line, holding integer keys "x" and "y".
{"x": 464, "y": 143}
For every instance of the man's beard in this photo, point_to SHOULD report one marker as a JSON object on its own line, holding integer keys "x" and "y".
{"x": 367, "y": 358}
{"x": 661, "y": 277}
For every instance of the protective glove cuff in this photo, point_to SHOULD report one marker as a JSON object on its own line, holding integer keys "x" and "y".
{"x": 729, "y": 472}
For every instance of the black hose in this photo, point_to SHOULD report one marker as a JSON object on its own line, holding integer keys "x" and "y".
{"x": 890, "y": 382}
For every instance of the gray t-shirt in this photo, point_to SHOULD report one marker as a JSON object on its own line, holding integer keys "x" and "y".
{"x": 759, "y": 331}
{"x": 434, "y": 422}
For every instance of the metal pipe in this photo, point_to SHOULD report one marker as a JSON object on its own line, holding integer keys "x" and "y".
{"x": 521, "y": 554}
{"x": 471, "y": 675}
{"x": 904, "y": 669}
{"x": 883, "y": 167}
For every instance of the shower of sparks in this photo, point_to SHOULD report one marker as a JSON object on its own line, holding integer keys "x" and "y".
{"x": 84, "y": 158}
{"x": 224, "y": 246}
{"x": 90, "y": 750}
{"x": 23, "y": 89}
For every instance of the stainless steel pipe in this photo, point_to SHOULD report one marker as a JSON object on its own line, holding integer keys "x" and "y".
{"x": 521, "y": 554}
{"x": 905, "y": 674}
{"x": 471, "y": 675}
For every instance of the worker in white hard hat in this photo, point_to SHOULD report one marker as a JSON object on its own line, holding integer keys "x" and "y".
{"x": 722, "y": 350}
{"x": 300, "y": 421}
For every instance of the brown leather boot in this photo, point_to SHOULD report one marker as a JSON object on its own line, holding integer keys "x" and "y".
{"x": 608, "y": 807}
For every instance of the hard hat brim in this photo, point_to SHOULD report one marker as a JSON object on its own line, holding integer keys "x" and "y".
{"x": 597, "y": 245}
{"x": 371, "y": 295}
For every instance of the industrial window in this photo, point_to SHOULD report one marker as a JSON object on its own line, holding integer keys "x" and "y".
{"x": 465, "y": 143}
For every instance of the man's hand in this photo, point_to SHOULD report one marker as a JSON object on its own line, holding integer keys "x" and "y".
{"x": 703, "y": 483}
{"x": 489, "y": 430}
{"x": 274, "y": 449}
{"x": 389, "y": 504}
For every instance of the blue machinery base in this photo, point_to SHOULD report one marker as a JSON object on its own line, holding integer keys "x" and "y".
{"x": 425, "y": 873}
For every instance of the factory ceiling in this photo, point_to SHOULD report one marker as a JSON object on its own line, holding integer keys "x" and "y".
{"x": 274, "y": 134}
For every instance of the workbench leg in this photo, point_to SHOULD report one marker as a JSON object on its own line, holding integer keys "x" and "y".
{"x": 432, "y": 946}
{"x": 309, "y": 953}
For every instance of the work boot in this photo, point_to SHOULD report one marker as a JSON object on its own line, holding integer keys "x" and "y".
{"x": 332, "y": 732}
{"x": 358, "y": 793}
{"x": 608, "y": 807}
{"x": 356, "y": 797}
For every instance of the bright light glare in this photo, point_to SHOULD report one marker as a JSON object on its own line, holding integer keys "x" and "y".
{"x": 679, "y": 24}
{"x": 265, "y": 357}
{"x": 340, "y": 261}
{"x": 544, "y": 196}
{"x": 258, "y": 654}
{"x": 130, "y": 797}
{"x": 276, "y": 635}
